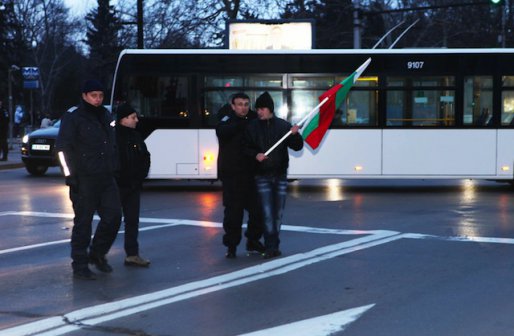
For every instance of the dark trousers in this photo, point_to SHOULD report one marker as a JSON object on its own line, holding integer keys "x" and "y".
{"x": 130, "y": 202}
{"x": 94, "y": 194}
{"x": 239, "y": 194}
{"x": 272, "y": 192}
{"x": 4, "y": 148}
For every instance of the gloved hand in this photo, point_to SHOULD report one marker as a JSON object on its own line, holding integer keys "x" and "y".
{"x": 72, "y": 182}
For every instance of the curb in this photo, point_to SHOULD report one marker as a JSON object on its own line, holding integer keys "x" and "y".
{"x": 13, "y": 165}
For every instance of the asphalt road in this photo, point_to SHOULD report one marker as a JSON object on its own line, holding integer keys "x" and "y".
{"x": 368, "y": 257}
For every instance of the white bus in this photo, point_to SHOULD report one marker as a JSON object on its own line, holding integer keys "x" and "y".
{"x": 414, "y": 113}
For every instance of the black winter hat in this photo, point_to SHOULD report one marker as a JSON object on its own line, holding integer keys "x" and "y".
{"x": 92, "y": 85}
{"x": 124, "y": 110}
{"x": 265, "y": 100}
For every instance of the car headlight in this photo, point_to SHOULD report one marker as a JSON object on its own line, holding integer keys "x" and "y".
{"x": 25, "y": 139}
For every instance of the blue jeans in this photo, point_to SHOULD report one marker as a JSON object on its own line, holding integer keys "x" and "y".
{"x": 272, "y": 192}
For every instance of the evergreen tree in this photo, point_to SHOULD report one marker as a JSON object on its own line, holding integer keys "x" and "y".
{"x": 103, "y": 38}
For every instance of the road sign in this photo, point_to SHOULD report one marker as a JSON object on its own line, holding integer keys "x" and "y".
{"x": 30, "y": 77}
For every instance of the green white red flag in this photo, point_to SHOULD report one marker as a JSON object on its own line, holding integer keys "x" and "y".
{"x": 319, "y": 119}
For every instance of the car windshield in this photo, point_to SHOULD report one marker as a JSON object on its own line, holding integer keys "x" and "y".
{"x": 57, "y": 124}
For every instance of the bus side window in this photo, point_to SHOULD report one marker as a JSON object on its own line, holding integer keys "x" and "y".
{"x": 174, "y": 98}
{"x": 478, "y": 100}
{"x": 485, "y": 117}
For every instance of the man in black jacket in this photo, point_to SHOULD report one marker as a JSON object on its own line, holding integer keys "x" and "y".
{"x": 87, "y": 150}
{"x": 271, "y": 170}
{"x": 234, "y": 170}
{"x": 134, "y": 167}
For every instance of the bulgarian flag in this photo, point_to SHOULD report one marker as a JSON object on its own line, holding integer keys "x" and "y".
{"x": 319, "y": 119}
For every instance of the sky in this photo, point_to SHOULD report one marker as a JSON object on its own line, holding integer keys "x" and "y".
{"x": 79, "y": 7}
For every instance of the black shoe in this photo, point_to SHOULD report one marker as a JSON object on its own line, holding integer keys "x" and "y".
{"x": 231, "y": 253}
{"x": 100, "y": 263}
{"x": 84, "y": 274}
{"x": 268, "y": 254}
{"x": 255, "y": 246}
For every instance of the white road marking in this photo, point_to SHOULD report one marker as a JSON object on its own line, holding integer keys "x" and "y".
{"x": 109, "y": 311}
{"x": 169, "y": 222}
{"x": 469, "y": 239}
{"x": 106, "y": 312}
{"x": 316, "y": 326}
{"x": 165, "y": 223}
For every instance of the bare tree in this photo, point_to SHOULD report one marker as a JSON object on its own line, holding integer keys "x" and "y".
{"x": 194, "y": 24}
{"x": 46, "y": 33}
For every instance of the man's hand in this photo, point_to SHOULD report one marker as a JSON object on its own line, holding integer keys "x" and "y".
{"x": 261, "y": 157}
{"x": 72, "y": 182}
{"x": 295, "y": 129}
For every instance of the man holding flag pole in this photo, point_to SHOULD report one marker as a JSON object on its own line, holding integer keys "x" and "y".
{"x": 271, "y": 168}
{"x": 272, "y": 161}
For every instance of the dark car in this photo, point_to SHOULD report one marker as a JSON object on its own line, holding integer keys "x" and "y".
{"x": 38, "y": 150}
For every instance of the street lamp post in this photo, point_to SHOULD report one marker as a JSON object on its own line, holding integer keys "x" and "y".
{"x": 9, "y": 88}
{"x": 139, "y": 23}
{"x": 140, "y": 36}
{"x": 356, "y": 26}
{"x": 505, "y": 15}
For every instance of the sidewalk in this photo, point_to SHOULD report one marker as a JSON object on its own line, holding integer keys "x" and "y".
{"x": 13, "y": 159}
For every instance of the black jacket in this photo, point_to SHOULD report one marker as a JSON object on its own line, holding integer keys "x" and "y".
{"x": 86, "y": 137}
{"x": 4, "y": 121}
{"x": 261, "y": 135}
{"x": 134, "y": 157}
{"x": 230, "y": 131}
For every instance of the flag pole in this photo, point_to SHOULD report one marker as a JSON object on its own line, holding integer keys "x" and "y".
{"x": 314, "y": 110}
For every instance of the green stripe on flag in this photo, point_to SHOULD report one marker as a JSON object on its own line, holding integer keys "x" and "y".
{"x": 311, "y": 126}
{"x": 347, "y": 84}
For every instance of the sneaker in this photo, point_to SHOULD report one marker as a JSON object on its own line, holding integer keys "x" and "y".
{"x": 84, "y": 274}
{"x": 268, "y": 254}
{"x": 255, "y": 246}
{"x": 136, "y": 261}
{"x": 231, "y": 253}
{"x": 101, "y": 263}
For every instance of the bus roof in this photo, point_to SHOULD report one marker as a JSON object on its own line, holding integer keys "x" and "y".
{"x": 317, "y": 51}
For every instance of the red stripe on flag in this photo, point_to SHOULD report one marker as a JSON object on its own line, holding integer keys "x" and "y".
{"x": 326, "y": 114}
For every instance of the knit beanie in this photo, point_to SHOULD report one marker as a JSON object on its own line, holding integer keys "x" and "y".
{"x": 92, "y": 85}
{"x": 265, "y": 100}
{"x": 124, "y": 110}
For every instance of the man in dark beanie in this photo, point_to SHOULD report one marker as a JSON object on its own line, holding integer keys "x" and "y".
{"x": 87, "y": 150}
{"x": 271, "y": 170}
{"x": 265, "y": 100}
{"x": 134, "y": 167}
